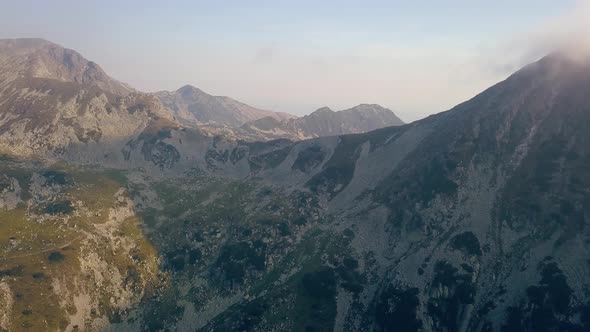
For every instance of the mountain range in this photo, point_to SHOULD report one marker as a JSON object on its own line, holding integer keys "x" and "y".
{"x": 55, "y": 101}
{"x": 120, "y": 213}
{"x": 323, "y": 122}
{"x": 228, "y": 117}
{"x": 192, "y": 105}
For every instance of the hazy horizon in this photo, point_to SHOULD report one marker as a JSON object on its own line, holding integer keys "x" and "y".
{"x": 288, "y": 58}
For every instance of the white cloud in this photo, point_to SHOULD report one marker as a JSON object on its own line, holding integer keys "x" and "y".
{"x": 568, "y": 33}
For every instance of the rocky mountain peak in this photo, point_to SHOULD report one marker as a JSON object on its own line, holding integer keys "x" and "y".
{"x": 53, "y": 99}
{"x": 369, "y": 108}
{"x": 38, "y": 58}
{"x": 325, "y": 110}
{"x": 189, "y": 91}
{"x": 193, "y": 106}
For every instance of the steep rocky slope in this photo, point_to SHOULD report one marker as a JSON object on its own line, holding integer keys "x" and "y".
{"x": 474, "y": 219}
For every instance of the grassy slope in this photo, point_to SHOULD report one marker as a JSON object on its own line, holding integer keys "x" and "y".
{"x": 49, "y": 250}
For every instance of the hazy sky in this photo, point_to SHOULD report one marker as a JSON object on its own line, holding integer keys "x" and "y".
{"x": 415, "y": 57}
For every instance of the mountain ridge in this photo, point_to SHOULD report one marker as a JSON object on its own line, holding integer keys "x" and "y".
{"x": 193, "y": 105}
{"x": 325, "y": 122}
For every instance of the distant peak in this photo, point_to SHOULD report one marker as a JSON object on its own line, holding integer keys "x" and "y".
{"x": 187, "y": 87}
{"x": 324, "y": 109}
{"x": 190, "y": 90}
{"x": 369, "y": 107}
{"x": 40, "y": 58}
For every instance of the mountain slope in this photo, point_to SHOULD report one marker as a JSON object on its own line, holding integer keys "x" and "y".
{"x": 470, "y": 220}
{"x": 194, "y": 106}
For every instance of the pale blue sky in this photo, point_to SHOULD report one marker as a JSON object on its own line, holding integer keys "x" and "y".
{"x": 415, "y": 57}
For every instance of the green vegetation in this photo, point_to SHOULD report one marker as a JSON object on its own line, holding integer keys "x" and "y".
{"x": 54, "y": 177}
{"x": 309, "y": 158}
{"x": 435, "y": 180}
{"x": 320, "y": 284}
{"x": 270, "y": 159}
{"x": 466, "y": 242}
{"x": 339, "y": 170}
{"x": 318, "y": 288}
{"x": 161, "y": 310}
{"x": 153, "y": 148}
{"x": 352, "y": 280}
{"x": 237, "y": 260}
{"x": 55, "y": 257}
{"x": 547, "y": 307}
{"x": 461, "y": 291}
{"x": 396, "y": 308}
{"x": 59, "y": 207}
